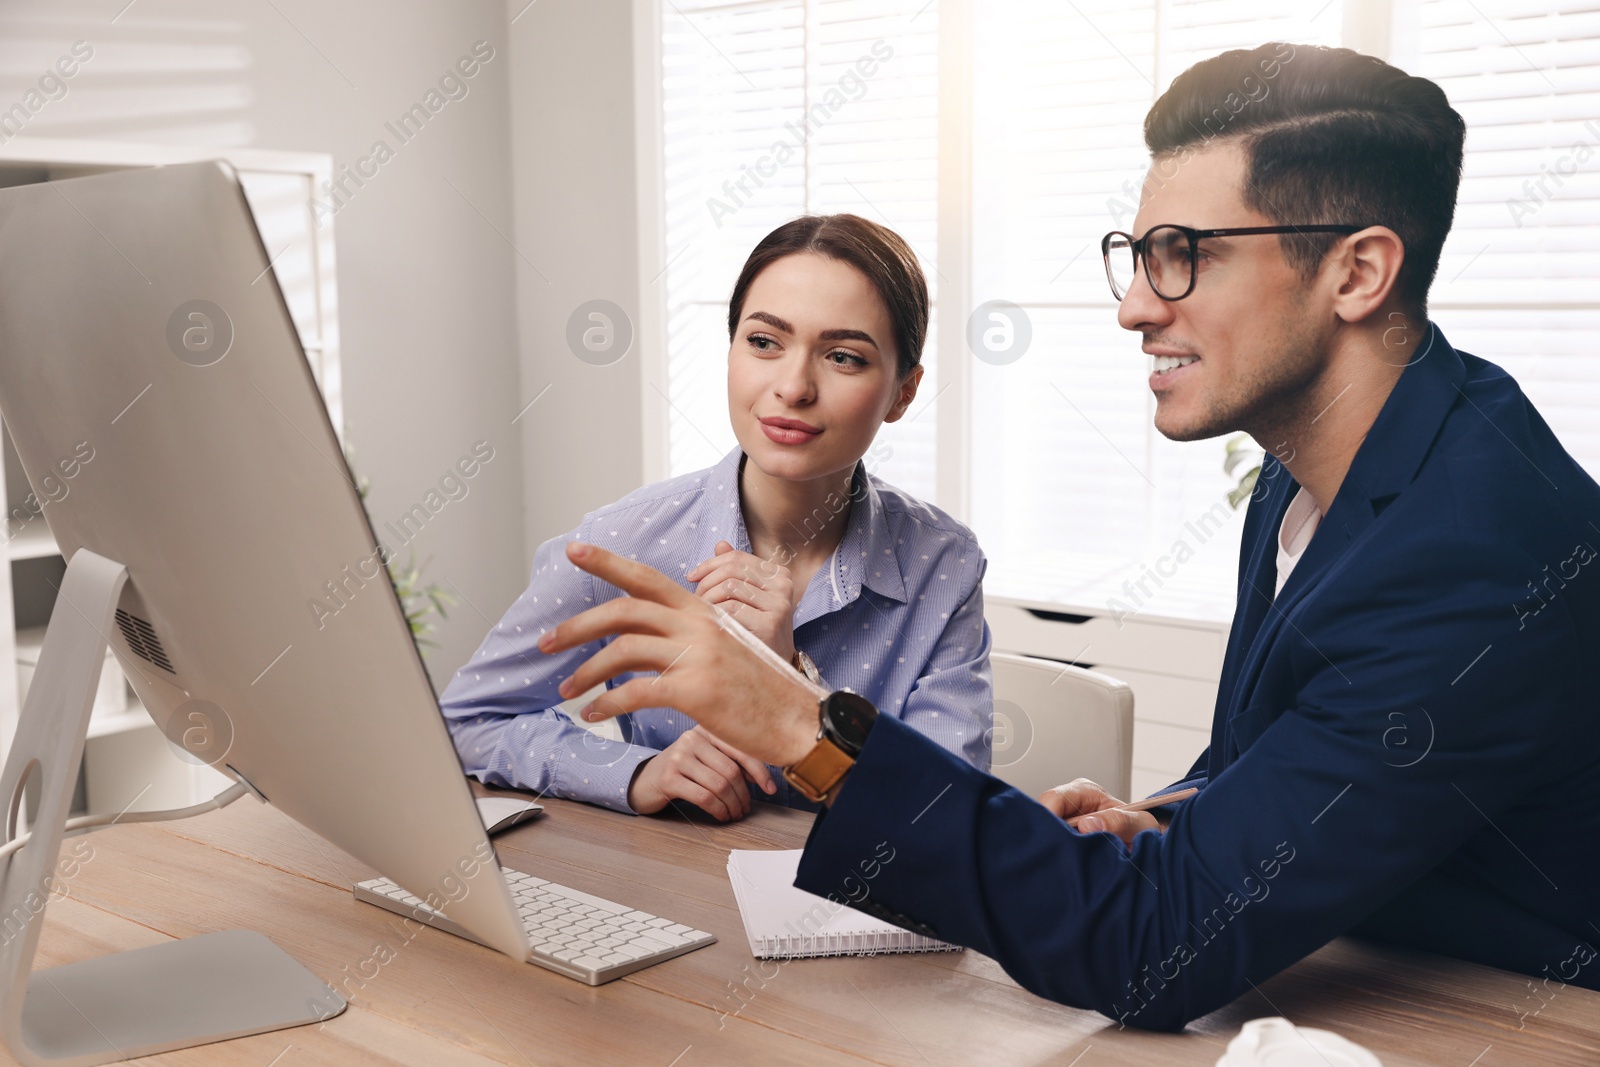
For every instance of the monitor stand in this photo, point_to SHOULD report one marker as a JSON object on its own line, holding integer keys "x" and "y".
{"x": 151, "y": 1000}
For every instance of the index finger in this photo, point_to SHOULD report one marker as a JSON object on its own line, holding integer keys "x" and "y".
{"x": 731, "y": 561}
{"x": 1078, "y": 797}
{"x": 753, "y": 768}
{"x": 632, "y": 577}
{"x": 1124, "y": 824}
{"x": 731, "y": 582}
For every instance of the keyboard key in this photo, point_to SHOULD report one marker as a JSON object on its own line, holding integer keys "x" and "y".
{"x": 608, "y": 906}
{"x": 671, "y": 939}
{"x": 649, "y": 944}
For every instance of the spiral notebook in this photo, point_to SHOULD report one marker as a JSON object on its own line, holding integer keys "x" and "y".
{"x": 788, "y": 923}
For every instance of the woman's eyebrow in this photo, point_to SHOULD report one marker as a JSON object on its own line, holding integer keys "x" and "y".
{"x": 771, "y": 320}
{"x": 847, "y": 335}
{"x": 826, "y": 335}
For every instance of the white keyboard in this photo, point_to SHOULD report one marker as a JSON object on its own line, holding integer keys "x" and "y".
{"x": 572, "y": 933}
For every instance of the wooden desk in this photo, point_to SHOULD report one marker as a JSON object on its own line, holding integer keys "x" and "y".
{"x": 441, "y": 1000}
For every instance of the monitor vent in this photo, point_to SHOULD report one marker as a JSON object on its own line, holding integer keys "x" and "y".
{"x": 142, "y": 640}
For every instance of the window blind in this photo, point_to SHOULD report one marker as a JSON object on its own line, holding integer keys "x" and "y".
{"x": 1082, "y": 501}
{"x": 772, "y": 109}
{"x": 1075, "y": 496}
{"x": 1519, "y": 281}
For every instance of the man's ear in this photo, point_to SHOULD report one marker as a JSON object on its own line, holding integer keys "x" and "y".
{"x": 1366, "y": 266}
{"x": 908, "y": 393}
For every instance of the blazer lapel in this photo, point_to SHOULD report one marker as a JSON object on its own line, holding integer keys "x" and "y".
{"x": 1258, "y": 568}
{"x": 1387, "y": 461}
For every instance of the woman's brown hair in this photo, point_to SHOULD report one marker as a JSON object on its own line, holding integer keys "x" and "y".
{"x": 876, "y": 251}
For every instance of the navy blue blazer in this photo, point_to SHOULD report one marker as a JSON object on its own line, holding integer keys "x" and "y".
{"x": 1406, "y": 746}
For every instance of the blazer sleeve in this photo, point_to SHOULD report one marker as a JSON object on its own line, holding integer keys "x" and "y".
{"x": 502, "y": 708}
{"x": 1322, "y": 818}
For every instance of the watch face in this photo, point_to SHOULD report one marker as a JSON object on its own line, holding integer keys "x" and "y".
{"x": 848, "y": 717}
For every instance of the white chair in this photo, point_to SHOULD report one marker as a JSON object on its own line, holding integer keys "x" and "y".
{"x": 1054, "y": 722}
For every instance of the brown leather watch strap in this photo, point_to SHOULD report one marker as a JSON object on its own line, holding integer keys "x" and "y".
{"x": 818, "y": 773}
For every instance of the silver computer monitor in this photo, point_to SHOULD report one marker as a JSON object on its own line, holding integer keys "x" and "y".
{"x": 139, "y": 318}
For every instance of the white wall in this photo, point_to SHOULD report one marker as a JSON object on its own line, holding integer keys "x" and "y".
{"x": 572, "y": 135}
{"x": 427, "y": 285}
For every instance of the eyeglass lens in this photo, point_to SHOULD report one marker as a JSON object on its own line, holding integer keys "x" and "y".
{"x": 1169, "y": 262}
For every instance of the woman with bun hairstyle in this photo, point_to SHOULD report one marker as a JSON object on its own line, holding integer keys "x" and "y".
{"x": 848, "y": 578}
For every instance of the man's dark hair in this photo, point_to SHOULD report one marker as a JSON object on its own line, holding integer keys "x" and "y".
{"x": 1331, "y": 137}
{"x": 876, "y": 251}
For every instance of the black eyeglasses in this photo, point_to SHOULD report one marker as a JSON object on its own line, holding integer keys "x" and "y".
{"x": 1168, "y": 254}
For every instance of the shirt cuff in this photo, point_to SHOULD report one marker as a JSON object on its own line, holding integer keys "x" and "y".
{"x": 597, "y": 770}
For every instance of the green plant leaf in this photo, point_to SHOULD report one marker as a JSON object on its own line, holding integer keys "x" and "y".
{"x": 1247, "y": 485}
{"x": 417, "y": 602}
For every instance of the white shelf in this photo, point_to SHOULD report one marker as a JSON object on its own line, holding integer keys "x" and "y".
{"x": 116, "y": 724}
{"x": 1193, "y": 594}
{"x": 28, "y": 643}
{"x": 34, "y": 542}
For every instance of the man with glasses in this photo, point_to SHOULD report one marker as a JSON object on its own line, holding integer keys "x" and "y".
{"x": 1406, "y": 742}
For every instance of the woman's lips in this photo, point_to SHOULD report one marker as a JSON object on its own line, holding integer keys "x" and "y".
{"x": 789, "y": 431}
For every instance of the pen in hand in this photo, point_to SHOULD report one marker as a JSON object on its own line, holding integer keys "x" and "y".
{"x": 1156, "y": 802}
{"x": 1142, "y": 805}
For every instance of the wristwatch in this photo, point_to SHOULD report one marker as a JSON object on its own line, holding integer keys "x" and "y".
{"x": 806, "y": 666}
{"x": 845, "y": 718}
